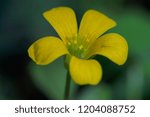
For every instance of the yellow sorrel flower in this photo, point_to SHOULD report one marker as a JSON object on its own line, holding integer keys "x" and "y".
{"x": 80, "y": 45}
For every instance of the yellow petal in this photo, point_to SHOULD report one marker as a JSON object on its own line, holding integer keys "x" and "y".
{"x": 46, "y": 50}
{"x": 63, "y": 20}
{"x": 112, "y": 46}
{"x": 94, "y": 24}
{"x": 85, "y": 71}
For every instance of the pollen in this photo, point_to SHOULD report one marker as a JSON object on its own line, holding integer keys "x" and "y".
{"x": 75, "y": 41}
{"x": 81, "y": 47}
{"x": 69, "y": 43}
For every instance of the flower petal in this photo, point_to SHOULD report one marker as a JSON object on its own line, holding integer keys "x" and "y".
{"x": 94, "y": 24}
{"x": 46, "y": 50}
{"x": 63, "y": 20}
{"x": 85, "y": 71}
{"x": 113, "y": 46}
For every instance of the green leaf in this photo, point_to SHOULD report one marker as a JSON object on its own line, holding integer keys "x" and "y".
{"x": 130, "y": 85}
{"x": 146, "y": 65}
{"x": 119, "y": 88}
{"x": 135, "y": 27}
{"x": 135, "y": 81}
{"x": 51, "y": 79}
{"x": 99, "y": 92}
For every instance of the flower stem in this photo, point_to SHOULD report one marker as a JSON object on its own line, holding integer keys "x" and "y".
{"x": 67, "y": 87}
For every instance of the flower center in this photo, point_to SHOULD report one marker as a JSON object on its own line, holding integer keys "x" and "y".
{"x": 77, "y": 47}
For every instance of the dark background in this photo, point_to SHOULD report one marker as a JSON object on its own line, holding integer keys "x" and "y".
{"x": 22, "y": 23}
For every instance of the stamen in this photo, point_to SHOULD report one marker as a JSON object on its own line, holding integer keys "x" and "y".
{"x": 77, "y": 46}
{"x": 75, "y": 41}
{"x": 81, "y": 47}
{"x": 76, "y": 35}
{"x": 69, "y": 43}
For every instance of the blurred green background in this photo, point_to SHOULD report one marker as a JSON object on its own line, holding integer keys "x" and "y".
{"x": 22, "y": 23}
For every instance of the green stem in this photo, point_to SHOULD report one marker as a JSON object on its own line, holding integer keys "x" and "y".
{"x": 67, "y": 87}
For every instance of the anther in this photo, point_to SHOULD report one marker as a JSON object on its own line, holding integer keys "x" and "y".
{"x": 75, "y": 41}
{"x": 81, "y": 47}
{"x": 76, "y": 35}
{"x": 69, "y": 43}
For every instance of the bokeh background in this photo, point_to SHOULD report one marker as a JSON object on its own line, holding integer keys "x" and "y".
{"x": 22, "y": 23}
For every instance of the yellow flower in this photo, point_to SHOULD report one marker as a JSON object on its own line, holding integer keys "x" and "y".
{"x": 80, "y": 45}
